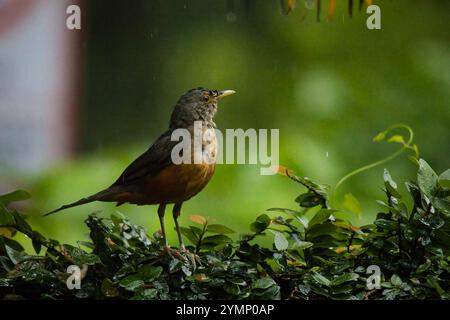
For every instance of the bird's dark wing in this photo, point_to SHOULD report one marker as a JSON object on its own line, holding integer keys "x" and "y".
{"x": 152, "y": 161}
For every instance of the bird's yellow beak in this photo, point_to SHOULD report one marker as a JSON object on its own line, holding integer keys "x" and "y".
{"x": 225, "y": 93}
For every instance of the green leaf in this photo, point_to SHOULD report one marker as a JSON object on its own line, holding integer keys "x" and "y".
{"x": 423, "y": 267}
{"x": 434, "y": 283}
{"x": 386, "y": 224}
{"x": 196, "y": 230}
{"x": 37, "y": 240}
{"x": 396, "y": 139}
{"x": 189, "y": 234}
{"x": 131, "y": 283}
{"x": 80, "y": 256}
{"x": 427, "y": 178}
{"x": 232, "y": 289}
{"x": 414, "y": 191}
{"x": 380, "y": 136}
{"x": 280, "y": 241}
{"x": 21, "y": 224}
{"x": 442, "y": 205}
{"x": 261, "y": 223}
{"x": 285, "y": 210}
{"x": 147, "y": 294}
{"x": 390, "y": 184}
{"x": 396, "y": 280}
{"x": 321, "y": 216}
{"x": 301, "y": 245}
{"x": 33, "y": 271}
{"x": 14, "y": 255}
{"x": 263, "y": 283}
{"x": 320, "y": 279}
{"x": 416, "y": 151}
{"x": 346, "y": 277}
{"x": 218, "y": 228}
{"x": 434, "y": 221}
{"x": 149, "y": 273}
{"x": 322, "y": 229}
{"x": 36, "y": 246}
{"x": 6, "y": 218}
{"x": 216, "y": 239}
{"x": 309, "y": 200}
{"x": 434, "y": 250}
{"x": 10, "y": 243}
{"x": 18, "y": 195}
{"x": 344, "y": 289}
{"x": 444, "y": 179}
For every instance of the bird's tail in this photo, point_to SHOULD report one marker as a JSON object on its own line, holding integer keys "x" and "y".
{"x": 102, "y": 195}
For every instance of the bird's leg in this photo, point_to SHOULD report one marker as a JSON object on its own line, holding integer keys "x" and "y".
{"x": 176, "y": 214}
{"x": 172, "y": 253}
{"x": 161, "y": 211}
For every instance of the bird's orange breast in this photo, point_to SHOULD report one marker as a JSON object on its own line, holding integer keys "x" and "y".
{"x": 174, "y": 184}
{"x": 177, "y": 182}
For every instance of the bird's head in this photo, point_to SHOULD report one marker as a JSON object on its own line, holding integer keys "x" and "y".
{"x": 199, "y": 104}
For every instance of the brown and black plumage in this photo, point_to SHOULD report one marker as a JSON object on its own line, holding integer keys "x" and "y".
{"x": 153, "y": 178}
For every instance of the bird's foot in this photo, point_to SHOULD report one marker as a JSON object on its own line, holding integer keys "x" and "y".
{"x": 173, "y": 253}
{"x": 193, "y": 258}
{"x": 183, "y": 255}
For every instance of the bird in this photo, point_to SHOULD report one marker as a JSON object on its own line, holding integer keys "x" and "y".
{"x": 154, "y": 178}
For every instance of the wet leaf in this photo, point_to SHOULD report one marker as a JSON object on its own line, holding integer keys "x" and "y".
{"x": 320, "y": 279}
{"x": 150, "y": 273}
{"x": 263, "y": 283}
{"x": 79, "y": 256}
{"x": 444, "y": 179}
{"x": 346, "y": 277}
{"x": 427, "y": 178}
{"x": 280, "y": 241}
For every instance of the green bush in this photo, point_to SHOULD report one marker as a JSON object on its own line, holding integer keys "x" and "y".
{"x": 322, "y": 257}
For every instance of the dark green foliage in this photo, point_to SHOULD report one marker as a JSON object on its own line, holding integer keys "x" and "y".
{"x": 322, "y": 257}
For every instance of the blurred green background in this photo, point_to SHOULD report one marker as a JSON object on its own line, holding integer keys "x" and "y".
{"x": 329, "y": 87}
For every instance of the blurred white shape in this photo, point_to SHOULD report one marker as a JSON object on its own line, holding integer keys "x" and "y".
{"x": 38, "y": 74}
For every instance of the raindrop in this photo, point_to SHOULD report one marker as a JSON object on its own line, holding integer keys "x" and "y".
{"x": 231, "y": 17}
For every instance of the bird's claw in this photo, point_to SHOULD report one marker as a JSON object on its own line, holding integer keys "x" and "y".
{"x": 184, "y": 255}
{"x": 194, "y": 258}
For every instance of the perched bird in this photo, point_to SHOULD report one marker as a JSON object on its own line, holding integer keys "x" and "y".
{"x": 154, "y": 178}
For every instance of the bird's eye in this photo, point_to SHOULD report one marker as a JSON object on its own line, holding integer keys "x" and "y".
{"x": 205, "y": 98}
